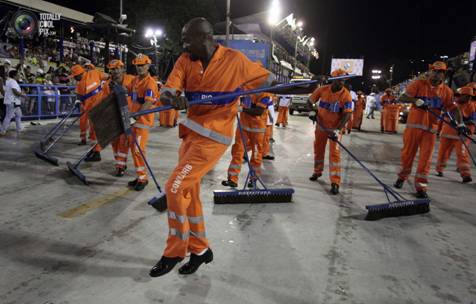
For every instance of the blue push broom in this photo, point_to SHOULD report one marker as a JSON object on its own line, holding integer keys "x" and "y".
{"x": 399, "y": 207}
{"x": 255, "y": 194}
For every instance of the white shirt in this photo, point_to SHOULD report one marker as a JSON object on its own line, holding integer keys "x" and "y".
{"x": 284, "y": 101}
{"x": 10, "y": 97}
{"x": 371, "y": 101}
{"x": 271, "y": 116}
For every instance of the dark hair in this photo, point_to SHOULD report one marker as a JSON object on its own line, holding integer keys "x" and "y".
{"x": 12, "y": 73}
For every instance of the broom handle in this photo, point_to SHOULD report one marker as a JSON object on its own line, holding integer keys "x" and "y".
{"x": 145, "y": 161}
{"x": 59, "y": 124}
{"x": 238, "y": 94}
{"x": 386, "y": 188}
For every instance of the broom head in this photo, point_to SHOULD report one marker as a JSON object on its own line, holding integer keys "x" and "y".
{"x": 253, "y": 196}
{"x": 398, "y": 208}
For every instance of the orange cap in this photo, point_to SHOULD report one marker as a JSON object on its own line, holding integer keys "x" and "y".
{"x": 465, "y": 91}
{"x": 338, "y": 72}
{"x": 76, "y": 70}
{"x": 114, "y": 64}
{"x": 438, "y": 66}
{"x": 141, "y": 59}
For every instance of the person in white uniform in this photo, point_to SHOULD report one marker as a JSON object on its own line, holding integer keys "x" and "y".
{"x": 12, "y": 102}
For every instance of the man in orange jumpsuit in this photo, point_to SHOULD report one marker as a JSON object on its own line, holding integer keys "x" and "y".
{"x": 145, "y": 95}
{"x": 205, "y": 69}
{"x": 283, "y": 110}
{"x": 333, "y": 111}
{"x": 88, "y": 89}
{"x": 449, "y": 138}
{"x": 120, "y": 145}
{"x": 386, "y": 99}
{"x": 429, "y": 94}
{"x": 392, "y": 114}
{"x": 358, "y": 114}
{"x": 253, "y": 120}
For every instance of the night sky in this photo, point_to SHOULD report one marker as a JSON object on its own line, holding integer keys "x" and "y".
{"x": 382, "y": 32}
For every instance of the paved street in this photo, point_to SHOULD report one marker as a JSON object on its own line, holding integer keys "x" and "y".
{"x": 66, "y": 243}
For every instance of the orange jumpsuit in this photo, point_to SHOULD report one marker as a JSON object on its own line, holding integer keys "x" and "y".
{"x": 89, "y": 92}
{"x": 143, "y": 90}
{"x": 385, "y": 100}
{"x": 120, "y": 145}
{"x": 392, "y": 113}
{"x": 254, "y": 129}
{"x": 332, "y": 105}
{"x": 420, "y": 131}
{"x": 283, "y": 110}
{"x": 449, "y": 140}
{"x": 206, "y": 133}
{"x": 358, "y": 113}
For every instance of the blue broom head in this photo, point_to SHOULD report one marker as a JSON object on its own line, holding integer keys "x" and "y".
{"x": 159, "y": 202}
{"x": 44, "y": 156}
{"x": 77, "y": 173}
{"x": 283, "y": 195}
{"x": 398, "y": 208}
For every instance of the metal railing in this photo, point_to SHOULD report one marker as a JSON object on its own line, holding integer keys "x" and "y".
{"x": 44, "y": 101}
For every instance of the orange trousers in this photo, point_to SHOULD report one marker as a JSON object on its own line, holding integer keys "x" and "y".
{"x": 197, "y": 156}
{"x": 254, "y": 142}
{"x": 142, "y": 137}
{"x": 320, "y": 143}
{"x": 414, "y": 139}
{"x": 444, "y": 153}
{"x": 266, "y": 138}
{"x": 282, "y": 116}
{"x": 120, "y": 148}
{"x": 391, "y": 119}
{"x": 168, "y": 118}
{"x": 357, "y": 116}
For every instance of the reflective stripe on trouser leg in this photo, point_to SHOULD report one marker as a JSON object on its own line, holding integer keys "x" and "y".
{"x": 256, "y": 143}
{"x": 83, "y": 124}
{"x": 462, "y": 158}
{"x": 197, "y": 156}
{"x": 444, "y": 153}
{"x": 427, "y": 144}
{"x": 120, "y": 150}
{"x": 237, "y": 151}
{"x": 334, "y": 161}
{"x": 142, "y": 137}
{"x": 320, "y": 143}
{"x": 267, "y": 137}
{"x": 411, "y": 141}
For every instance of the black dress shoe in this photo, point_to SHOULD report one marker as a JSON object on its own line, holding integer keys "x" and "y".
{"x": 163, "y": 266}
{"x": 439, "y": 174}
{"x": 269, "y": 157}
{"x": 315, "y": 176}
{"x": 140, "y": 185}
{"x": 132, "y": 183}
{"x": 399, "y": 183}
{"x": 195, "y": 261}
{"x": 421, "y": 194}
{"x": 467, "y": 179}
{"x": 229, "y": 183}
{"x": 334, "y": 189}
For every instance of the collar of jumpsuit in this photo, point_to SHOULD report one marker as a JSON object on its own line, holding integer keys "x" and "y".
{"x": 228, "y": 71}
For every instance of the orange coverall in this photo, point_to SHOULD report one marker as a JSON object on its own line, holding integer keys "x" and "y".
{"x": 358, "y": 113}
{"x": 449, "y": 140}
{"x": 89, "y": 92}
{"x": 143, "y": 90}
{"x": 120, "y": 145}
{"x": 392, "y": 113}
{"x": 385, "y": 100}
{"x": 206, "y": 133}
{"x": 331, "y": 108}
{"x": 420, "y": 131}
{"x": 283, "y": 110}
{"x": 254, "y": 129}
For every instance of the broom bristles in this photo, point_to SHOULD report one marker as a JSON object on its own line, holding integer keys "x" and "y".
{"x": 44, "y": 156}
{"x": 398, "y": 208}
{"x": 159, "y": 202}
{"x": 77, "y": 173}
{"x": 253, "y": 196}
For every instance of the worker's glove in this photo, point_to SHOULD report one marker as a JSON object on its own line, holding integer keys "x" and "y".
{"x": 177, "y": 102}
{"x": 463, "y": 130}
{"x": 77, "y": 102}
{"x": 132, "y": 120}
{"x": 334, "y": 135}
{"x": 313, "y": 116}
{"x": 420, "y": 103}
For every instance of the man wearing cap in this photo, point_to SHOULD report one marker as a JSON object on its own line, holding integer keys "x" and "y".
{"x": 88, "y": 89}
{"x": 450, "y": 140}
{"x": 145, "y": 95}
{"x": 426, "y": 95}
{"x": 120, "y": 145}
{"x": 334, "y": 109}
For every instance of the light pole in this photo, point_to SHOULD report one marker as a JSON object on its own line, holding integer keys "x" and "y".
{"x": 227, "y": 22}
{"x": 153, "y": 35}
